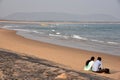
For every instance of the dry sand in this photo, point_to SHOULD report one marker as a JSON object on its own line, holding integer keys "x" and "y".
{"x": 73, "y": 58}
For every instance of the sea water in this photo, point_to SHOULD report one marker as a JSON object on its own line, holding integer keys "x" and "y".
{"x": 93, "y": 37}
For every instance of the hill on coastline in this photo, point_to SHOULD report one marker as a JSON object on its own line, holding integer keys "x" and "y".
{"x": 52, "y": 16}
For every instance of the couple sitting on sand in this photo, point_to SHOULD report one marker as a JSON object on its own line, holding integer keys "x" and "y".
{"x": 95, "y": 66}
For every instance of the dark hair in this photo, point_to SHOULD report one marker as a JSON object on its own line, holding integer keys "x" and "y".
{"x": 92, "y": 59}
{"x": 87, "y": 62}
{"x": 99, "y": 58}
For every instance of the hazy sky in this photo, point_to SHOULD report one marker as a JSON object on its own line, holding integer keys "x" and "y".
{"x": 82, "y": 7}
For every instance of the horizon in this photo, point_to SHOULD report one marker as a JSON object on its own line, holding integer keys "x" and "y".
{"x": 74, "y": 7}
{"x": 53, "y": 16}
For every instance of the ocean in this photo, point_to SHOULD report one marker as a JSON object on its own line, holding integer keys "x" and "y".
{"x": 103, "y": 38}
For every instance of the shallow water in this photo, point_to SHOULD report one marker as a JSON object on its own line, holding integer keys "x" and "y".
{"x": 94, "y": 37}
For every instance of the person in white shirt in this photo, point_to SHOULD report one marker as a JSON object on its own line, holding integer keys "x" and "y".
{"x": 89, "y": 64}
{"x": 97, "y": 66}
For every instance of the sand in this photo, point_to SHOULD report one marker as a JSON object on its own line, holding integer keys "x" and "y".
{"x": 70, "y": 57}
{"x": 14, "y": 66}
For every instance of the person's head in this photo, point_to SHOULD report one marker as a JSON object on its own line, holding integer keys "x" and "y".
{"x": 99, "y": 58}
{"x": 92, "y": 58}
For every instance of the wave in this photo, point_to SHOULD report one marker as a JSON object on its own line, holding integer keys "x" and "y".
{"x": 9, "y": 26}
{"x": 53, "y": 30}
{"x": 36, "y": 31}
{"x": 29, "y": 31}
{"x": 108, "y": 42}
{"x": 97, "y": 41}
{"x": 22, "y": 30}
{"x": 78, "y": 37}
{"x": 54, "y": 35}
{"x": 57, "y": 33}
{"x": 113, "y": 43}
{"x": 61, "y": 36}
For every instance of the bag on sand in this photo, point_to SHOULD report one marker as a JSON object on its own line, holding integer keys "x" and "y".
{"x": 106, "y": 70}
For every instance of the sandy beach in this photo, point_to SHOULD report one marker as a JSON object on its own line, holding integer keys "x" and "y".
{"x": 70, "y": 57}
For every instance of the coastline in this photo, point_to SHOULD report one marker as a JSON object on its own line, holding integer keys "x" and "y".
{"x": 58, "y": 22}
{"x": 70, "y": 57}
{"x": 107, "y": 41}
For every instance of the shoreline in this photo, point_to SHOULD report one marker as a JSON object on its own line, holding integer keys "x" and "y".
{"x": 106, "y": 47}
{"x": 58, "y": 43}
{"x": 59, "y": 54}
{"x": 58, "y": 22}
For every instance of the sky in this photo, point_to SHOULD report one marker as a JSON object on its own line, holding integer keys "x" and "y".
{"x": 80, "y": 7}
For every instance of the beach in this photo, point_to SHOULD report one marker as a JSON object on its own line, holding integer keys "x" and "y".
{"x": 70, "y": 57}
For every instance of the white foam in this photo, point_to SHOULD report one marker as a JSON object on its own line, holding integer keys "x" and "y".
{"x": 53, "y": 30}
{"x": 57, "y": 33}
{"x": 61, "y": 36}
{"x": 7, "y": 26}
{"x": 35, "y": 31}
{"x": 78, "y": 37}
{"x": 22, "y": 30}
{"x": 54, "y": 35}
{"x": 65, "y": 37}
{"x": 114, "y": 43}
{"x": 97, "y": 41}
